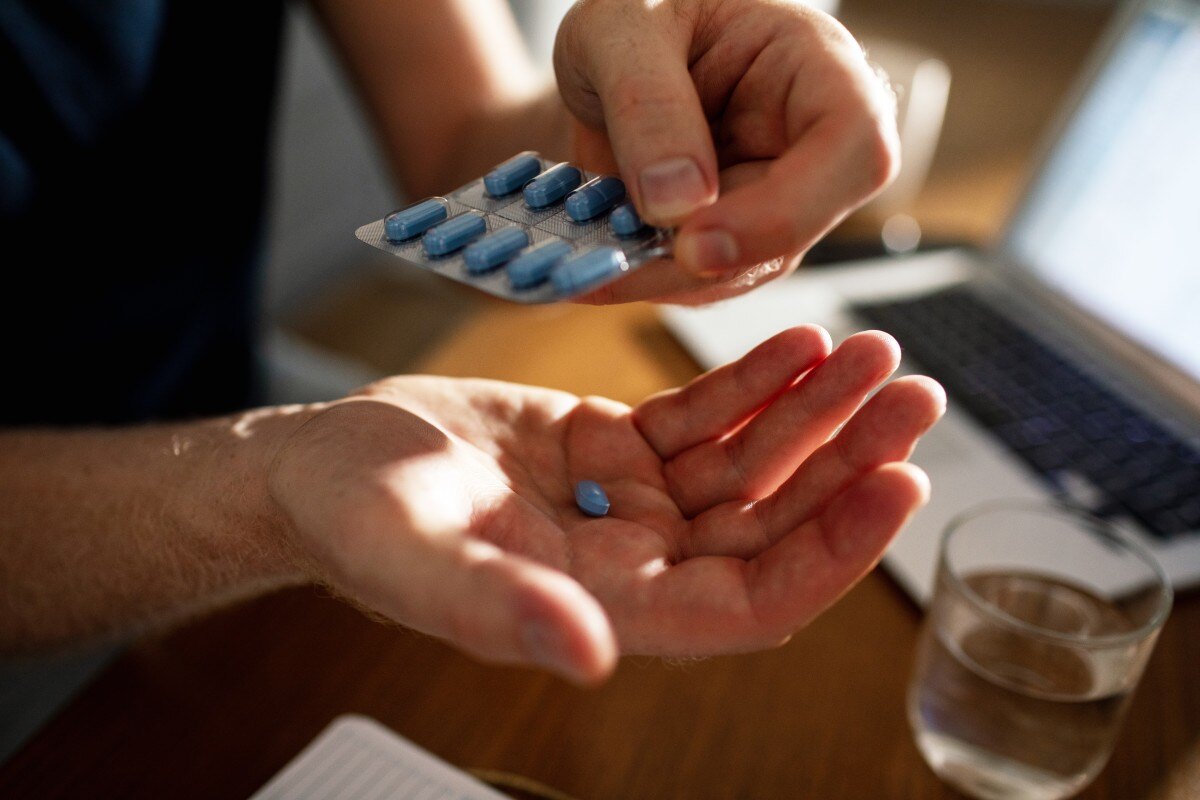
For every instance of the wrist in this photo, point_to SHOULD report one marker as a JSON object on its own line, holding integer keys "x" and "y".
{"x": 251, "y": 525}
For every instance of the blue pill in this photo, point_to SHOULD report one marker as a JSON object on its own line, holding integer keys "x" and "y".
{"x": 494, "y": 249}
{"x": 591, "y": 499}
{"x": 414, "y": 220}
{"x": 533, "y": 266}
{"x": 552, "y": 185}
{"x": 512, "y": 174}
{"x": 454, "y": 233}
{"x": 594, "y": 198}
{"x": 587, "y": 269}
{"x": 625, "y": 220}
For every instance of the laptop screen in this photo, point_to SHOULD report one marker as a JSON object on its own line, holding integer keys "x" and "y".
{"x": 1113, "y": 219}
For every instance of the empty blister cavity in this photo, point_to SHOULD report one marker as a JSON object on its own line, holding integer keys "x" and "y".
{"x": 512, "y": 174}
{"x": 625, "y": 220}
{"x": 588, "y": 269}
{"x": 533, "y": 266}
{"x": 552, "y": 185}
{"x": 455, "y": 233}
{"x": 410, "y": 222}
{"x": 494, "y": 249}
{"x": 595, "y": 198}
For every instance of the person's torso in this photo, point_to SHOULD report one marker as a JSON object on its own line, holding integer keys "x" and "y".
{"x": 133, "y": 141}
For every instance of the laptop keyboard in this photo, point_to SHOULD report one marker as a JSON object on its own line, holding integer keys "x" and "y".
{"x": 1061, "y": 421}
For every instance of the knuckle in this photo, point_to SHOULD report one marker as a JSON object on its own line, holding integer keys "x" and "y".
{"x": 630, "y": 95}
{"x": 880, "y": 148}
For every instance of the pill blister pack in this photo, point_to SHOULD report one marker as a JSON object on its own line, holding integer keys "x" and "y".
{"x": 531, "y": 230}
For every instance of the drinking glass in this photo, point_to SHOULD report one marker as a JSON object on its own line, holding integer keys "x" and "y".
{"x": 1041, "y": 622}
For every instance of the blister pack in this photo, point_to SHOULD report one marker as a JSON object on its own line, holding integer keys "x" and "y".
{"x": 531, "y": 230}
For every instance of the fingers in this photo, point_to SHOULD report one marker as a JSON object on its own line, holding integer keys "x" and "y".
{"x": 495, "y": 605}
{"x": 505, "y": 608}
{"x": 634, "y": 62}
{"x": 810, "y": 568}
{"x": 833, "y": 169}
{"x": 841, "y": 148}
{"x": 754, "y": 461}
{"x": 710, "y": 605}
{"x": 717, "y": 402}
{"x": 885, "y": 430}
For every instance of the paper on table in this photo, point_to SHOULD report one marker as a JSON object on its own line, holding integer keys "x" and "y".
{"x": 356, "y": 758}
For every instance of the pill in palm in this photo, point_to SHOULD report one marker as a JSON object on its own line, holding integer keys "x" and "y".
{"x": 591, "y": 498}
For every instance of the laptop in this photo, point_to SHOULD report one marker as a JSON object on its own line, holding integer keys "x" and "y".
{"x": 1071, "y": 350}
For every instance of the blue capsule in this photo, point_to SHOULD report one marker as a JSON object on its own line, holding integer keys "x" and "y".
{"x": 594, "y": 198}
{"x": 591, "y": 499}
{"x": 414, "y": 220}
{"x": 494, "y": 249}
{"x": 454, "y": 233}
{"x": 512, "y": 174}
{"x": 533, "y": 266}
{"x": 625, "y": 220}
{"x": 552, "y": 185}
{"x": 587, "y": 269}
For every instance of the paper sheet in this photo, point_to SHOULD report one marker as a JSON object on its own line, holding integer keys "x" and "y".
{"x": 356, "y": 758}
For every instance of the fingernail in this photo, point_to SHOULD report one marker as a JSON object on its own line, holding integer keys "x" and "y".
{"x": 707, "y": 253}
{"x": 547, "y": 647}
{"x": 671, "y": 189}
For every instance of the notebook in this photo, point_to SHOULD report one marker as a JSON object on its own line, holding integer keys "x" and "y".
{"x": 356, "y": 758}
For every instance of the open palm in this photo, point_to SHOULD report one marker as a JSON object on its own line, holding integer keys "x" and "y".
{"x": 448, "y": 505}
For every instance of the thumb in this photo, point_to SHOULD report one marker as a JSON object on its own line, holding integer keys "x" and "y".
{"x": 504, "y": 607}
{"x": 634, "y": 81}
{"x": 497, "y": 606}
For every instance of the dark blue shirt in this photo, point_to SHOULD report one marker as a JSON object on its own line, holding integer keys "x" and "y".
{"x": 133, "y": 156}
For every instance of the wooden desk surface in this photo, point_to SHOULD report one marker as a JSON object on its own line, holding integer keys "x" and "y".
{"x": 213, "y": 709}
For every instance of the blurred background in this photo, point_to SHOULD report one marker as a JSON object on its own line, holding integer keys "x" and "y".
{"x": 340, "y": 313}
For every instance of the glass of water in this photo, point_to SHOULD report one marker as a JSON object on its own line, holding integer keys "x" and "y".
{"x": 1041, "y": 622}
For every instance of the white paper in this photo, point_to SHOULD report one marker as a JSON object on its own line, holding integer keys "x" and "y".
{"x": 356, "y": 758}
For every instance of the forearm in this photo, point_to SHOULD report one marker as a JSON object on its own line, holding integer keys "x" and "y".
{"x": 110, "y": 530}
{"x": 541, "y": 124}
{"x": 449, "y": 85}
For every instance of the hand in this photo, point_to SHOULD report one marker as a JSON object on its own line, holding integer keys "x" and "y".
{"x": 771, "y": 105}
{"x": 447, "y": 505}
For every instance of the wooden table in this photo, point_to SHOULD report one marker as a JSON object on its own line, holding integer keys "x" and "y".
{"x": 213, "y": 709}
